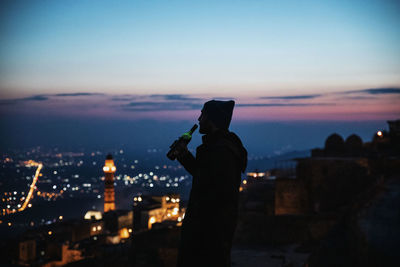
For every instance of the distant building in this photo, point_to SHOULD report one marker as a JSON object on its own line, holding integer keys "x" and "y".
{"x": 325, "y": 184}
{"x": 93, "y": 215}
{"x": 258, "y": 192}
{"x": 331, "y": 178}
{"x": 109, "y": 194}
{"x": 394, "y": 128}
{"x": 334, "y": 175}
{"x": 290, "y": 197}
{"x": 27, "y": 252}
{"x": 62, "y": 254}
{"x": 52, "y": 244}
{"x": 153, "y": 210}
{"x": 119, "y": 222}
{"x": 335, "y": 181}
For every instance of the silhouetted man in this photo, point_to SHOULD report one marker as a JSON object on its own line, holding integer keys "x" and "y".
{"x": 211, "y": 214}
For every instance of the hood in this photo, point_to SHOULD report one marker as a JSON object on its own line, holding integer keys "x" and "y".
{"x": 219, "y": 112}
{"x": 232, "y": 141}
{"x": 238, "y": 150}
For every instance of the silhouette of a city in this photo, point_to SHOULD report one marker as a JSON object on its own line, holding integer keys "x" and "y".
{"x": 337, "y": 207}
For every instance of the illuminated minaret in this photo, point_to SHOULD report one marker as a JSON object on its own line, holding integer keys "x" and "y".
{"x": 109, "y": 195}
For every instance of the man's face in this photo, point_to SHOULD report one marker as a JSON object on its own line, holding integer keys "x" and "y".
{"x": 205, "y": 124}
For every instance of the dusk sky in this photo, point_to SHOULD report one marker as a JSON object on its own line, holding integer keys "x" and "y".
{"x": 279, "y": 60}
{"x": 237, "y": 49}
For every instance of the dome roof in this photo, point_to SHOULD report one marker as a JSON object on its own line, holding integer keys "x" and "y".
{"x": 354, "y": 141}
{"x": 334, "y": 142}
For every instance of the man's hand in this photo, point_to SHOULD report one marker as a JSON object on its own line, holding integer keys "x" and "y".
{"x": 181, "y": 149}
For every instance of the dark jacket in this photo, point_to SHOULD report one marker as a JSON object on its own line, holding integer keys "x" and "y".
{"x": 211, "y": 214}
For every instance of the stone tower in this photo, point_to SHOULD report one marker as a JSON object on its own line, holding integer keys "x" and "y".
{"x": 109, "y": 194}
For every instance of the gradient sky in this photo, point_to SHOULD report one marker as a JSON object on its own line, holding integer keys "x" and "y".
{"x": 280, "y": 60}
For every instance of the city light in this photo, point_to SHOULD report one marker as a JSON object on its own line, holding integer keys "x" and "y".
{"x": 32, "y": 186}
{"x": 60, "y": 183}
{"x": 109, "y": 168}
{"x": 93, "y": 214}
{"x": 152, "y": 220}
{"x": 175, "y": 211}
{"x": 256, "y": 174}
{"x": 379, "y": 133}
{"x": 124, "y": 233}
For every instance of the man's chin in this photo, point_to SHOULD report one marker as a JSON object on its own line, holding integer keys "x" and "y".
{"x": 202, "y": 130}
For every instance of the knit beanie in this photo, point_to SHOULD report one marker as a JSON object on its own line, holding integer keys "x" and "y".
{"x": 219, "y": 112}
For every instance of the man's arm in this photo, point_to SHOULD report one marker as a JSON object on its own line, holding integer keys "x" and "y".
{"x": 188, "y": 161}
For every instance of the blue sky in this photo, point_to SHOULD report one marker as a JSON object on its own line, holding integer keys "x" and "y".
{"x": 198, "y": 47}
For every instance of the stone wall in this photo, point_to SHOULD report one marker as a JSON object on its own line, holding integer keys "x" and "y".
{"x": 290, "y": 197}
{"x": 332, "y": 183}
{"x": 368, "y": 235}
{"x": 255, "y": 228}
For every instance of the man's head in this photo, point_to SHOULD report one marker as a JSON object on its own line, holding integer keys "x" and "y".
{"x": 215, "y": 115}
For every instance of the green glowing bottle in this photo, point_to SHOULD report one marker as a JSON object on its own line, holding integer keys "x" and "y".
{"x": 182, "y": 141}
